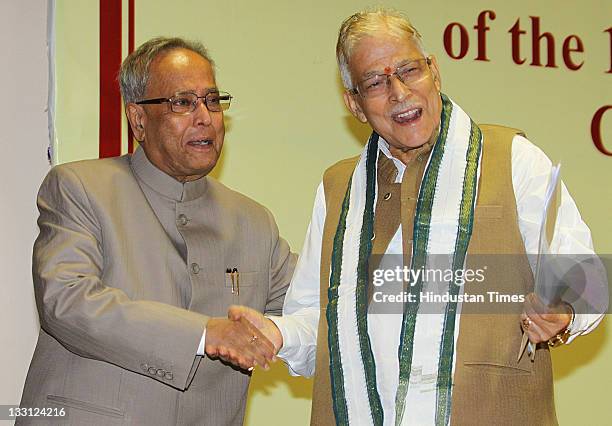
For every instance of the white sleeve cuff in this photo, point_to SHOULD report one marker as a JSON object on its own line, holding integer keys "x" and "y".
{"x": 583, "y": 324}
{"x": 201, "y": 351}
{"x": 299, "y": 343}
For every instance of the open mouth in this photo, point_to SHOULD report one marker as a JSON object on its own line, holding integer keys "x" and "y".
{"x": 203, "y": 142}
{"x": 408, "y": 116}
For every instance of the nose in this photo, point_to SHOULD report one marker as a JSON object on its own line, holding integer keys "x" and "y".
{"x": 201, "y": 114}
{"x": 398, "y": 91}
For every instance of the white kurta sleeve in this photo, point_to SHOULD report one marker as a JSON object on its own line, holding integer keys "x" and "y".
{"x": 300, "y": 319}
{"x": 531, "y": 170}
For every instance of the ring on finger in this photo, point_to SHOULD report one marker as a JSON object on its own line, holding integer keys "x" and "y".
{"x": 526, "y": 323}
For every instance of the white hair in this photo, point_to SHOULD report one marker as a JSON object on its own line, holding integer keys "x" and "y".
{"x": 370, "y": 23}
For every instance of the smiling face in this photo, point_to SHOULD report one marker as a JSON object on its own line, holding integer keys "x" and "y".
{"x": 405, "y": 116}
{"x": 184, "y": 146}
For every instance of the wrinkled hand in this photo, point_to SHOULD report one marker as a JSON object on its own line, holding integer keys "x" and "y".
{"x": 238, "y": 342}
{"x": 541, "y": 322}
{"x": 265, "y": 325}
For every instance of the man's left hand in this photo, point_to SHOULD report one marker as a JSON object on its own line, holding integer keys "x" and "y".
{"x": 542, "y": 322}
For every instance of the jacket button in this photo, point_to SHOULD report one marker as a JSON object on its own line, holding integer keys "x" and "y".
{"x": 152, "y": 371}
{"x": 387, "y": 196}
{"x": 168, "y": 376}
{"x": 195, "y": 268}
{"x": 182, "y": 220}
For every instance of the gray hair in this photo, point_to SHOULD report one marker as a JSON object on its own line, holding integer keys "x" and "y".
{"x": 134, "y": 71}
{"x": 369, "y": 23}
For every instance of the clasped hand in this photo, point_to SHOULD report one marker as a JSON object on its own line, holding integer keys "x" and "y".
{"x": 542, "y": 322}
{"x": 245, "y": 339}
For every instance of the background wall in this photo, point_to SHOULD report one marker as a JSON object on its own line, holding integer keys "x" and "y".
{"x": 288, "y": 121}
{"x": 23, "y": 141}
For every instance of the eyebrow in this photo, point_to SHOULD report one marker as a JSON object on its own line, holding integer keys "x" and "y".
{"x": 208, "y": 90}
{"x": 395, "y": 67}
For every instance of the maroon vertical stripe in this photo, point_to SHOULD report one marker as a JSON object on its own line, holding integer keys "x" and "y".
{"x": 110, "y": 61}
{"x": 130, "y": 50}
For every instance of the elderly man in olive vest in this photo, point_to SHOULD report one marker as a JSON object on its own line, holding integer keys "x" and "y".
{"x": 429, "y": 182}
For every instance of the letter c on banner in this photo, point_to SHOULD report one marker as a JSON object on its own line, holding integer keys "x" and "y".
{"x": 596, "y": 130}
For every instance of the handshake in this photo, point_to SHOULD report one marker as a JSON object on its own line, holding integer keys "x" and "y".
{"x": 245, "y": 338}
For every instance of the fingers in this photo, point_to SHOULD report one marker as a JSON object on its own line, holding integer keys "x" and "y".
{"x": 525, "y": 322}
{"x": 261, "y": 340}
{"x": 267, "y": 327}
{"x": 533, "y": 330}
{"x": 239, "y": 343}
{"x": 255, "y": 345}
{"x": 542, "y": 322}
{"x": 227, "y": 354}
{"x": 234, "y": 312}
{"x": 243, "y": 360}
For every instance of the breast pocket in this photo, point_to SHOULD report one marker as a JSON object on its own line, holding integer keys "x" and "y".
{"x": 248, "y": 288}
{"x": 499, "y": 368}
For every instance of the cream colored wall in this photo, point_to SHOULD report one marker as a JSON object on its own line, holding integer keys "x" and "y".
{"x": 288, "y": 123}
{"x": 77, "y": 71}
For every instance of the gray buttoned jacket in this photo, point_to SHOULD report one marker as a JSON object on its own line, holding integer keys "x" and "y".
{"x": 128, "y": 266}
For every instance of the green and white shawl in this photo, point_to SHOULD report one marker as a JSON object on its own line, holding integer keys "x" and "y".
{"x": 447, "y": 194}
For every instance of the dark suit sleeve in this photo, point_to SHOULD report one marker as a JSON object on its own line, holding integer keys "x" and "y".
{"x": 91, "y": 318}
{"x": 282, "y": 264}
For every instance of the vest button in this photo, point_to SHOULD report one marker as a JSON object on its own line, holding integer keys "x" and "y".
{"x": 387, "y": 196}
{"x": 182, "y": 220}
{"x": 195, "y": 268}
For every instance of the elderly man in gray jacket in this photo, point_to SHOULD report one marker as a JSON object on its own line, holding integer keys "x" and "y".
{"x": 139, "y": 258}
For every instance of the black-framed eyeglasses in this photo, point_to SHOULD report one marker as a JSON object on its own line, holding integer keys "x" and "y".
{"x": 379, "y": 84}
{"x": 186, "y": 102}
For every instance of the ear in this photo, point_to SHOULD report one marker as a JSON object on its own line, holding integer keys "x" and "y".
{"x": 353, "y": 105}
{"x": 436, "y": 73}
{"x": 137, "y": 119}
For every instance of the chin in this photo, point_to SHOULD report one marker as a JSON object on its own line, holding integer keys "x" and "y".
{"x": 420, "y": 139}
